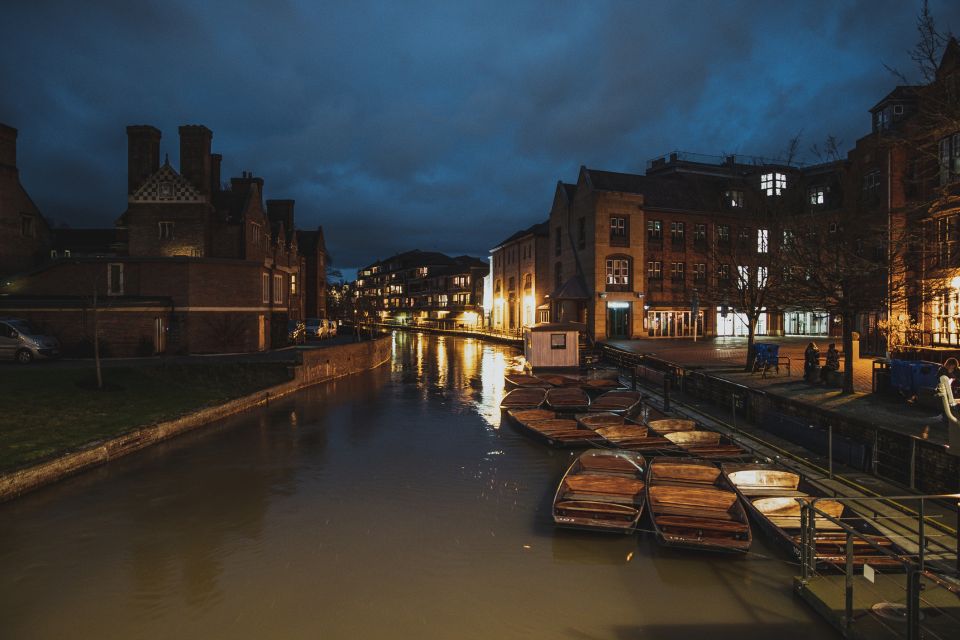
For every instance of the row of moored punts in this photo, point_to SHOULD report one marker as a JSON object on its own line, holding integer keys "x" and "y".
{"x": 697, "y": 486}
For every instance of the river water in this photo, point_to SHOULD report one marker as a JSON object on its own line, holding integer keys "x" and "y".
{"x": 390, "y": 504}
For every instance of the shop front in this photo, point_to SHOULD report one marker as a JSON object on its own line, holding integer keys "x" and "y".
{"x": 673, "y": 323}
{"x": 732, "y": 324}
{"x": 807, "y": 323}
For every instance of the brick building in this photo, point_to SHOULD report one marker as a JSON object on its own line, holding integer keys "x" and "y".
{"x": 194, "y": 266}
{"x": 423, "y": 287}
{"x": 24, "y": 234}
{"x": 519, "y": 289}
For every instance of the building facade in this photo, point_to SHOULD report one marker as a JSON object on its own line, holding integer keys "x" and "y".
{"x": 422, "y": 288}
{"x": 519, "y": 288}
{"x": 24, "y": 234}
{"x": 194, "y": 266}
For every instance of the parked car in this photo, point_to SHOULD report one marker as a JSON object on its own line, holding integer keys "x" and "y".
{"x": 316, "y": 328}
{"x": 296, "y": 332}
{"x": 20, "y": 342}
{"x": 331, "y": 328}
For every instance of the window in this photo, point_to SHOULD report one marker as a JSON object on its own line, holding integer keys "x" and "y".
{"x": 787, "y": 237}
{"x": 558, "y": 341}
{"x": 761, "y": 276}
{"x": 422, "y": 271}
{"x": 773, "y": 184}
{"x": 618, "y": 272}
{"x": 582, "y": 233}
{"x": 512, "y": 284}
{"x": 833, "y": 227}
{"x": 53, "y": 253}
{"x": 255, "y": 235}
{"x": 559, "y": 240}
{"x": 743, "y": 277}
{"x": 676, "y": 232}
{"x": 723, "y": 272}
{"x": 871, "y": 181}
{"x": 762, "y": 239}
{"x": 166, "y": 230}
{"x": 265, "y": 286}
{"x": 723, "y": 233}
{"x": 277, "y": 288}
{"x": 699, "y": 272}
{"x": 677, "y": 270}
{"x": 66, "y": 253}
{"x": 733, "y": 198}
{"x": 817, "y": 195}
{"x": 654, "y": 230}
{"x": 699, "y": 232}
{"x": 619, "y": 232}
{"x": 949, "y": 158}
{"x": 745, "y": 236}
{"x": 881, "y": 119}
{"x": 115, "y": 279}
{"x": 655, "y": 270}
{"x": 26, "y": 225}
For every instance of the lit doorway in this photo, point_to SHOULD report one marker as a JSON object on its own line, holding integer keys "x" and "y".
{"x": 618, "y": 320}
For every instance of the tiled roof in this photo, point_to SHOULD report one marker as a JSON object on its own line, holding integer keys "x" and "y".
{"x": 539, "y": 229}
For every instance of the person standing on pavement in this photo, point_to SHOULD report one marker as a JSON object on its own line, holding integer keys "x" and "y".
{"x": 811, "y": 362}
{"x": 946, "y": 375}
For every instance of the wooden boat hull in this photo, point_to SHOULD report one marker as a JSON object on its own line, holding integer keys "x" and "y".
{"x": 691, "y": 506}
{"x": 767, "y": 491}
{"x": 568, "y": 399}
{"x": 524, "y": 398}
{"x": 520, "y": 381}
{"x": 560, "y": 433}
{"x": 618, "y": 401}
{"x": 601, "y": 490}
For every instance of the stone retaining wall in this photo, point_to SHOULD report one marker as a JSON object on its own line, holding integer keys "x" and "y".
{"x": 319, "y": 365}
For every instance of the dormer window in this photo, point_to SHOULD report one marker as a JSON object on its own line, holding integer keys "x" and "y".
{"x": 881, "y": 119}
{"x": 773, "y": 184}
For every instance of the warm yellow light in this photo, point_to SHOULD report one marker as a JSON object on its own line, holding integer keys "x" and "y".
{"x": 498, "y": 302}
{"x": 955, "y": 283}
{"x": 470, "y": 318}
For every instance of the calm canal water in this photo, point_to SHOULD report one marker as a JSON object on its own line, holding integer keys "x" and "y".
{"x": 391, "y": 504}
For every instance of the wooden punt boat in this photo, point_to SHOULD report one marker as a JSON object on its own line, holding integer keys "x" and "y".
{"x": 599, "y": 385}
{"x": 563, "y": 433}
{"x": 706, "y": 444}
{"x": 596, "y": 420}
{"x": 691, "y": 505}
{"x": 664, "y": 426}
{"x": 602, "y": 490}
{"x": 523, "y": 380}
{"x": 771, "y": 493}
{"x": 624, "y": 434}
{"x": 620, "y": 400}
{"x": 569, "y": 399}
{"x": 557, "y": 380}
{"x": 524, "y": 398}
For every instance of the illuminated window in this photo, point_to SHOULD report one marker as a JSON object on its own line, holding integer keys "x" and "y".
{"x": 654, "y": 229}
{"x": 773, "y": 184}
{"x": 733, "y": 198}
{"x": 817, "y": 195}
{"x": 618, "y": 271}
{"x": 293, "y": 284}
{"x": 762, "y": 239}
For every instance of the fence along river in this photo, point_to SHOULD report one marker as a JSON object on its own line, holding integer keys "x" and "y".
{"x": 392, "y": 503}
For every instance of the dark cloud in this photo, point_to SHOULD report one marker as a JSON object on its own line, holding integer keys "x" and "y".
{"x": 435, "y": 125}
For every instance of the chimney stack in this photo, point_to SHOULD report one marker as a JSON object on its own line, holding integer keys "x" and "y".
{"x": 215, "y": 161}
{"x": 195, "y": 162}
{"x": 143, "y": 154}
{"x": 8, "y": 147}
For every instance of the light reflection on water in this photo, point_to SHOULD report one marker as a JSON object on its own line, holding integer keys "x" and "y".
{"x": 387, "y": 504}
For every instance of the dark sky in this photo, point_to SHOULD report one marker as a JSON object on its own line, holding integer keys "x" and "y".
{"x": 436, "y": 125}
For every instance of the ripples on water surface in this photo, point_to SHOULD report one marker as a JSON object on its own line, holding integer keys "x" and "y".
{"x": 389, "y": 504}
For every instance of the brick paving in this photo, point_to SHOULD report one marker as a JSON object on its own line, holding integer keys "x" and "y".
{"x": 725, "y": 358}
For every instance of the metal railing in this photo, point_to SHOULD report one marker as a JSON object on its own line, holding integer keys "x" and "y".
{"x": 925, "y": 571}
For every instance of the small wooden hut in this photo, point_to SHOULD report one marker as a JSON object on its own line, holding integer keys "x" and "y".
{"x": 553, "y": 345}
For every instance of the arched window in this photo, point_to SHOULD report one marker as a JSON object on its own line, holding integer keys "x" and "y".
{"x": 619, "y": 273}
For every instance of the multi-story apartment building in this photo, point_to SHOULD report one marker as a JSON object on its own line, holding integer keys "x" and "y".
{"x": 423, "y": 287}
{"x": 519, "y": 289}
{"x": 193, "y": 265}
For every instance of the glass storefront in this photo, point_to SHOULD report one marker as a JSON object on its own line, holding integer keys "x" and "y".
{"x": 737, "y": 324}
{"x": 672, "y": 324}
{"x": 807, "y": 323}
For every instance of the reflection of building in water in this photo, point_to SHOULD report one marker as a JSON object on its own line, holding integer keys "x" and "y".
{"x": 493, "y": 366}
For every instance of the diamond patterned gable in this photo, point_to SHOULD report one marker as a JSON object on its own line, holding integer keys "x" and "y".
{"x": 166, "y": 185}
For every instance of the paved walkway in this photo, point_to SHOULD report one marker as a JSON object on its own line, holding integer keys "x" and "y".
{"x": 725, "y": 358}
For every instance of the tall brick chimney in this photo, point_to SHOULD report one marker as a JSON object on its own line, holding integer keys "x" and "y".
{"x": 8, "y": 147}
{"x": 195, "y": 155}
{"x": 281, "y": 211}
{"x": 143, "y": 154}
{"x": 215, "y": 161}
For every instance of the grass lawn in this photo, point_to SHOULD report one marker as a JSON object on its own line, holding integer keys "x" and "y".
{"x": 45, "y": 411}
